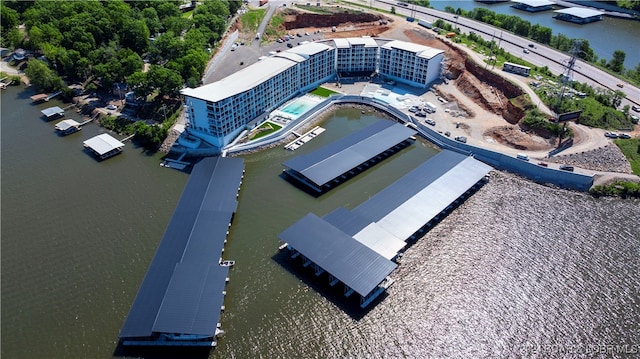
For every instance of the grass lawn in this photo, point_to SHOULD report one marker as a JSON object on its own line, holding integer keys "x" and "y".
{"x": 322, "y": 92}
{"x": 252, "y": 19}
{"x": 263, "y": 130}
{"x": 631, "y": 150}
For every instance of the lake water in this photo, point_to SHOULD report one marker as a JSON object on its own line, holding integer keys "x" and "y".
{"x": 518, "y": 269}
{"x": 604, "y": 36}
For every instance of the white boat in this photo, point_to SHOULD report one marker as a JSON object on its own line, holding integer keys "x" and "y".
{"x": 227, "y": 263}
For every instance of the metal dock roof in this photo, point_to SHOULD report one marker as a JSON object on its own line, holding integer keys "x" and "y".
{"x": 534, "y": 3}
{"x": 191, "y": 245}
{"x": 66, "y": 124}
{"x": 333, "y": 160}
{"x": 580, "y": 12}
{"x": 52, "y": 111}
{"x": 103, "y": 143}
{"x": 353, "y": 263}
{"x": 193, "y": 300}
{"x": 383, "y": 223}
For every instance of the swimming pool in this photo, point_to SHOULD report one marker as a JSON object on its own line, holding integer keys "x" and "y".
{"x": 297, "y": 107}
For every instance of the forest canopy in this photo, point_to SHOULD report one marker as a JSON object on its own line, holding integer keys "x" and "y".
{"x": 108, "y": 42}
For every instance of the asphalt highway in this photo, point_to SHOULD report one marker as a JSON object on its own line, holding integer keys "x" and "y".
{"x": 539, "y": 56}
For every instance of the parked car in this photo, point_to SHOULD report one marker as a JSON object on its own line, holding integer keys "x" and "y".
{"x": 447, "y": 133}
{"x": 413, "y": 109}
{"x": 611, "y": 134}
{"x": 523, "y": 157}
{"x": 625, "y": 136}
{"x": 289, "y": 45}
{"x": 461, "y": 139}
{"x": 111, "y": 107}
{"x": 430, "y": 122}
{"x": 421, "y": 114}
{"x": 543, "y": 164}
{"x": 566, "y": 168}
{"x": 635, "y": 108}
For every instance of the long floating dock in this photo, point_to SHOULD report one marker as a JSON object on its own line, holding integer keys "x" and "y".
{"x": 180, "y": 300}
{"x": 331, "y": 165}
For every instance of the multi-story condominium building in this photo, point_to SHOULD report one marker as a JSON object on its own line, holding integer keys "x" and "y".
{"x": 219, "y": 112}
{"x": 356, "y": 56}
{"x": 410, "y": 63}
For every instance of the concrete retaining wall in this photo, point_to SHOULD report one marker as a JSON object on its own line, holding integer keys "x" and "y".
{"x": 498, "y": 160}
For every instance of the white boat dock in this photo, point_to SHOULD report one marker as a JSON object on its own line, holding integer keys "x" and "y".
{"x": 298, "y": 142}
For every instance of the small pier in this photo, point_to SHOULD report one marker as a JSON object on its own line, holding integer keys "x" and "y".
{"x": 3, "y": 84}
{"x": 127, "y": 138}
{"x": 43, "y": 97}
{"x": 178, "y": 164}
{"x": 302, "y": 139}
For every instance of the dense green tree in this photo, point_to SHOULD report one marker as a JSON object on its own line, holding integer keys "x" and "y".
{"x": 176, "y": 24}
{"x": 42, "y": 77}
{"x": 9, "y": 19}
{"x": 165, "y": 81}
{"x": 139, "y": 84}
{"x": 12, "y": 39}
{"x": 617, "y": 62}
{"x": 134, "y": 34}
{"x": 150, "y": 16}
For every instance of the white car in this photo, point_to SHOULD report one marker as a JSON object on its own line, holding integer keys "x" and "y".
{"x": 111, "y": 107}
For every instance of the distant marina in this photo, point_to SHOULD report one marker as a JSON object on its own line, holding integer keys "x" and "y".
{"x": 625, "y": 31}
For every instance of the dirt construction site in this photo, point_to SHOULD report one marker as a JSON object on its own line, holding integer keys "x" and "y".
{"x": 478, "y": 102}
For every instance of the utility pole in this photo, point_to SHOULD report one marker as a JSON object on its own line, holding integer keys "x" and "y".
{"x": 499, "y": 41}
{"x": 566, "y": 76}
{"x": 491, "y": 52}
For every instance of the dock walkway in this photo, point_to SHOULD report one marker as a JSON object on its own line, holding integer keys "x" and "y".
{"x": 302, "y": 139}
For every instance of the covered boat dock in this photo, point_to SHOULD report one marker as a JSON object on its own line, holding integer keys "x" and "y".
{"x": 52, "y": 113}
{"x": 533, "y": 5}
{"x": 578, "y": 15}
{"x": 380, "y": 228}
{"x": 330, "y": 165}
{"x": 103, "y": 146}
{"x": 68, "y": 126}
{"x": 181, "y": 298}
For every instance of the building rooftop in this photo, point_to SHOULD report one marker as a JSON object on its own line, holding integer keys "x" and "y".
{"x": 419, "y": 50}
{"x": 308, "y": 49}
{"x": 580, "y": 12}
{"x": 351, "y": 41}
{"x": 103, "y": 143}
{"x": 241, "y": 81}
{"x": 331, "y": 161}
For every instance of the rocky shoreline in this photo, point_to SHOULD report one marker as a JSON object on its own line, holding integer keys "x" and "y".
{"x": 606, "y": 159}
